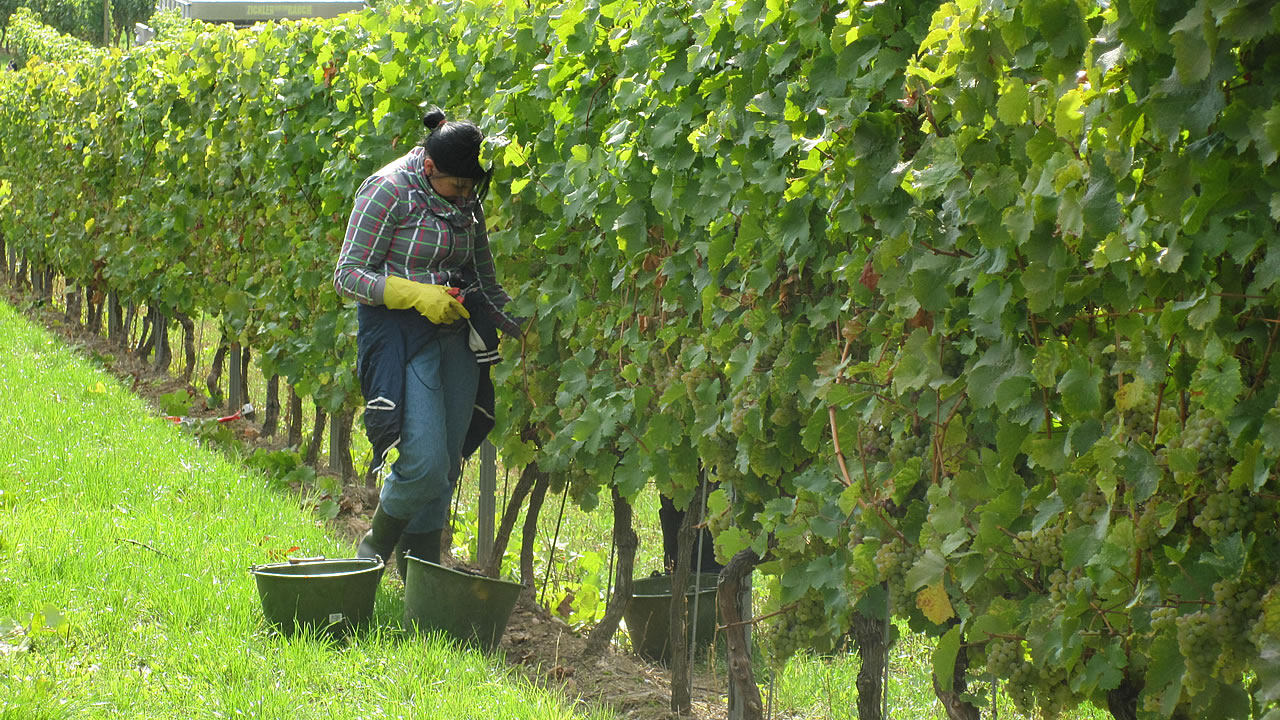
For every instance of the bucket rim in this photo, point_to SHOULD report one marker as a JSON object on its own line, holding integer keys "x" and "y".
{"x": 699, "y": 589}
{"x": 268, "y": 569}
{"x": 459, "y": 573}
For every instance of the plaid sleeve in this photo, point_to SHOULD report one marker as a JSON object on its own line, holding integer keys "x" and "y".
{"x": 374, "y": 218}
{"x": 487, "y": 278}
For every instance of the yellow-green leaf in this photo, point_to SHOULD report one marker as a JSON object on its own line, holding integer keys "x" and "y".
{"x": 934, "y": 603}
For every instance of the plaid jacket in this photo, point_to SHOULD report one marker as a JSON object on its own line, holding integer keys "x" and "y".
{"x": 400, "y": 226}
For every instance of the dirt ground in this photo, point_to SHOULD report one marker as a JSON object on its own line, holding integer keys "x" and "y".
{"x": 538, "y": 645}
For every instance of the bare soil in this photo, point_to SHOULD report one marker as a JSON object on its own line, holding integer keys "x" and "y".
{"x": 538, "y": 645}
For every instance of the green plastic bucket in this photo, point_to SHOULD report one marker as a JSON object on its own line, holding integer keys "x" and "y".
{"x": 648, "y": 615}
{"x": 472, "y": 609}
{"x": 333, "y": 596}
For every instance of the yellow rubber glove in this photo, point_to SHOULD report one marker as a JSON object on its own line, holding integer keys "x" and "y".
{"x": 433, "y": 301}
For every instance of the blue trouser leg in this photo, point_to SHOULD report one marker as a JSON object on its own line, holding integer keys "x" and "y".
{"x": 440, "y": 393}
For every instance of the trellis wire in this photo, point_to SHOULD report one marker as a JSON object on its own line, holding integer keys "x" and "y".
{"x": 697, "y": 575}
{"x": 609, "y": 584}
{"x": 457, "y": 493}
{"x": 551, "y": 555}
{"x": 884, "y": 685}
{"x": 995, "y": 689}
{"x": 769, "y": 708}
{"x": 506, "y": 478}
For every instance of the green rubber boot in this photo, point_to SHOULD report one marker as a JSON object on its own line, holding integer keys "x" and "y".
{"x": 382, "y": 537}
{"x": 424, "y": 546}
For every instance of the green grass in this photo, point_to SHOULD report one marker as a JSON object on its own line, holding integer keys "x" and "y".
{"x": 124, "y": 551}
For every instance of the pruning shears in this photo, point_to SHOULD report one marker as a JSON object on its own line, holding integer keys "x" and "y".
{"x": 244, "y": 413}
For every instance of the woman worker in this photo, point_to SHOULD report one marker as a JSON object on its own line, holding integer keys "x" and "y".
{"x": 416, "y": 258}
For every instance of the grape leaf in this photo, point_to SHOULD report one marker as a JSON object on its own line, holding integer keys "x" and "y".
{"x": 917, "y": 364}
{"x": 1013, "y": 102}
{"x": 1192, "y": 56}
{"x": 1220, "y": 382}
{"x": 927, "y": 569}
{"x": 1081, "y": 388}
{"x": 944, "y": 658}
{"x": 1069, "y": 114}
{"x": 934, "y": 603}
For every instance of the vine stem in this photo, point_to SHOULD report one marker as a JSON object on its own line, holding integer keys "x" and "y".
{"x": 1155, "y": 421}
{"x": 1266, "y": 357}
{"x": 144, "y": 545}
{"x": 1103, "y": 614}
{"x": 524, "y": 362}
{"x": 835, "y": 440}
{"x": 847, "y": 480}
{"x": 639, "y": 441}
{"x": 947, "y": 253}
{"x": 1044, "y": 392}
{"x": 752, "y": 621}
{"x": 592, "y": 104}
{"x": 862, "y": 457}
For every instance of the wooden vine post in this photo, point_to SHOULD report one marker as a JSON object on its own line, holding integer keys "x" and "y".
{"x": 624, "y": 535}
{"x": 681, "y": 693}
{"x": 524, "y": 485}
{"x": 487, "y": 503}
{"x": 529, "y": 534}
{"x": 744, "y": 695}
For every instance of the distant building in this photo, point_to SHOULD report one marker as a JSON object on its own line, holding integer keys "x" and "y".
{"x": 247, "y": 12}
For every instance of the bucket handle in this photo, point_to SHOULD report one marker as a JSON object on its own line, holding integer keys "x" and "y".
{"x": 292, "y": 561}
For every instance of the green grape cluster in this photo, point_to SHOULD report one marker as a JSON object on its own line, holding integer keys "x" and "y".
{"x": 1043, "y": 548}
{"x": 1088, "y": 505}
{"x": 1020, "y": 687}
{"x": 660, "y": 363}
{"x": 952, "y": 361}
{"x": 691, "y": 379}
{"x": 1206, "y": 433}
{"x": 668, "y": 375}
{"x": 1004, "y": 657}
{"x": 1053, "y": 694}
{"x": 787, "y": 411}
{"x": 876, "y": 442}
{"x": 1146, "y": 528}
{"x": 1139, "y": 420}
{"x": 893, "y": 561}
{"x": 1240, "y": 606}
{"x": 1164, "y": 619}
{"x": 1200, "y": 636}
{"x": 719, "y": 522}
{"x": 805, "y": 626}
{"x": 1059, "y": 586}
{"x": 1226, "y": 511}
{"x": 1035, "y": 690}
{"x": 908, "y": 446}
{"x": 717, "y": 450}
{"x": 743, "y": 402}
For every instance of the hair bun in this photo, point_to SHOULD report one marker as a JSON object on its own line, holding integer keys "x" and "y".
{"x": 433, "y": 119}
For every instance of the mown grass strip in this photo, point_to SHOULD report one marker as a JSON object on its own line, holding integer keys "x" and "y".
{"x": 124, "y": 551}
